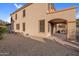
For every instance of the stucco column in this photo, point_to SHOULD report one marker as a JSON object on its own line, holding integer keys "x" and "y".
{"x": 71, "y": 31}
{"x": 54, "y": 29}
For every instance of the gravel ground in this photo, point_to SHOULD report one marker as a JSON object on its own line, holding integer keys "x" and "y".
{"x": 17, "y": 45}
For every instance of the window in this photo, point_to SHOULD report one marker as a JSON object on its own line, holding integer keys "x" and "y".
{"x": 16, "y": 16}
{"x": 12, "y": 23}
{"x": 23, "y": 26}
{"x": 11, "y": 19}
{"x": 23, "y": 13}
{"x": 17, "y": 26}
{"x": 42, "y": 25}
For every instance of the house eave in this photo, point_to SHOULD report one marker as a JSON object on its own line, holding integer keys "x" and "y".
{"x": 63, "y": 10}
{"x": 26, "y": 5}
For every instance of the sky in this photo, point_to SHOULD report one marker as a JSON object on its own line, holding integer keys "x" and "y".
{"x": 7, "y": 8}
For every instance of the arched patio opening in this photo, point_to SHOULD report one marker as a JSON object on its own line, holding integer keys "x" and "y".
{"x": 58, "y": 27}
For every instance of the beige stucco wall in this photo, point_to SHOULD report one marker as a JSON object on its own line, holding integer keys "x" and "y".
{"x": 34, "y": 13}
{"x": 71, "y": 32}
{"x": 38, "y": 11}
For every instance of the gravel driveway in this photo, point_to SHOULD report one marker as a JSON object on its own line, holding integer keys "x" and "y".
{"x": 17, "y": 45}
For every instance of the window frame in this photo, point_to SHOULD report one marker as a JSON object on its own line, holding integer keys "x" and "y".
{"x": 42, "y": 25}
{"x": 24, "y": 13}
{"x": 16, "y": 16}
{"x": 23, "y": 26}
{"x": 17, "y": 26}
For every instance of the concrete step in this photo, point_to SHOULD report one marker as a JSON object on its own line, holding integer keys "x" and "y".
{"x": 75, "y": 42}
{"x": 66, "y": 43}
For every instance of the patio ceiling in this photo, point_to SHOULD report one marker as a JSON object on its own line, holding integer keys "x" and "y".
{"x": 56, "y": 21}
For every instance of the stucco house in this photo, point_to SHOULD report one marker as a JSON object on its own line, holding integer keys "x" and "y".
{"x": 43, "y": 20}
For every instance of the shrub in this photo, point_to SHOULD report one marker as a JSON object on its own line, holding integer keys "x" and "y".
{"x": 2, "y": 31}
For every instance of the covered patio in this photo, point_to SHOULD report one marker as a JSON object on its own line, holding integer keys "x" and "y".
{"x": 58, "y": 27}
{"x": 62, "y": 23}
